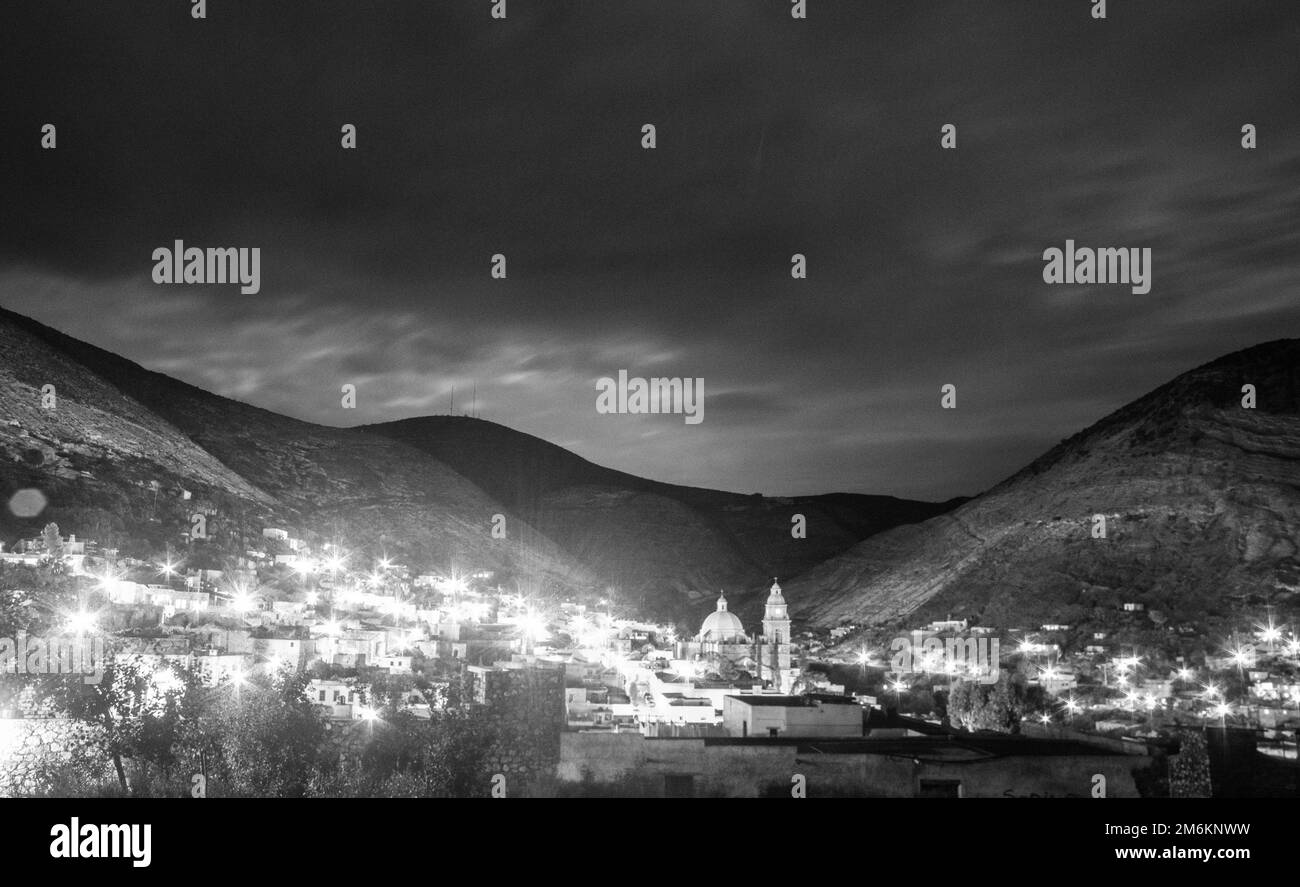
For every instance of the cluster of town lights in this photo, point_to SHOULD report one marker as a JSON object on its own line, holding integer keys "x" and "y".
{"x": 594, "y": 633}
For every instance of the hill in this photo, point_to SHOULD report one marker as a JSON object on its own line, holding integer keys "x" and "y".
{"x": 667, "y": 549}
{"x": 123, "y": 445}
{"x": 1201, "y": 499}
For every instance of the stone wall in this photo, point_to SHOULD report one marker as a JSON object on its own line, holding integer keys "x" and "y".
{"x": 526, "y": 708}
{"x": 31, "y": 749}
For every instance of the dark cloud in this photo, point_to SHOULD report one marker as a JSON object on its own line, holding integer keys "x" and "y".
{"x": 775, "y": 137}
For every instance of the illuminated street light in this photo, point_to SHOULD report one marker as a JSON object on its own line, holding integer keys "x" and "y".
{"x": 1269, "y": 634}
{"x": 164, "y": 681}
{"x": 109, "y": 582}
{"x": 534, "y": 626}
{"x": 454, "y": 585}
{"x": 81, "y": 622}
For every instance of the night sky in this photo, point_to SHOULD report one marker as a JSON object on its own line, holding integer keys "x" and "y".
{"x": 775, "y": 136}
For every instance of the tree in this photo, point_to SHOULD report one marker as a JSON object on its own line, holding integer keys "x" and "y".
{"x": 53, "y": 542}
{"x": 723, "y": 668}
{"x": 446, "y": 756}
{"x": 34, "y": 601}
{"x": 140, "y": 712}
{"x": 959, "y": 703}
{"x": 272, "y": 740}
{"x": 809, "y": 680}
{"x": 457, "y": 752}
{"x": 979, "y": 706}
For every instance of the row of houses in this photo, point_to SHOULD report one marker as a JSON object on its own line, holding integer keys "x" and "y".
{"x": 350, "y": 648}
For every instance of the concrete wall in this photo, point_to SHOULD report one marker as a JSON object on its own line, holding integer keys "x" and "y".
{"x": 753, "y": 768}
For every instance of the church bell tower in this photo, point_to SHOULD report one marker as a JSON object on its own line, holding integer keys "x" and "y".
{"x": 776, "y": 639}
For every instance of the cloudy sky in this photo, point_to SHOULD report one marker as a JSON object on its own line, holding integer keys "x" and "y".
{"x": 775, "y": 136}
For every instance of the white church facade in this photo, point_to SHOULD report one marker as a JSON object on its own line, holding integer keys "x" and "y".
{"x": 768, "y": 656}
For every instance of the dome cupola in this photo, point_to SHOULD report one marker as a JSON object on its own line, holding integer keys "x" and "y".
{"x": 723, "y": 627}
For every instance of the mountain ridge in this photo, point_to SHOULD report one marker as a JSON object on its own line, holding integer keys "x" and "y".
{"x": 1202, "y": 503}
{"x": 427, "y": 488}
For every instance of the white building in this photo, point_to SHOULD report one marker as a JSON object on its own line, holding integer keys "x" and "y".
{"x": 396, "y": 664}
{"x": 219, "y": 668}
{"x": 340, "y": 699}
{"x": 813, "y": 717}
{"x": 170, "y": 598}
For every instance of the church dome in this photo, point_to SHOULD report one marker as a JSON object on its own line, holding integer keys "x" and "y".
{"x": 721, "y": 626}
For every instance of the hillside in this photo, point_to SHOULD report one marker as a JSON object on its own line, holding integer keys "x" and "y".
{"x": 668, "y": 549}
{"x": 118, "y": 430}
{"x": 123, "y": 444}
{"x": 1202, "y": 505}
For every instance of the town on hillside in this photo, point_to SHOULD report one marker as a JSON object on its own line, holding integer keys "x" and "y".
{"x": 574, "y": 698}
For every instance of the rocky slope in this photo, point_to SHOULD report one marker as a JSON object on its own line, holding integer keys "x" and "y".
{"x": 1202, "y": 504}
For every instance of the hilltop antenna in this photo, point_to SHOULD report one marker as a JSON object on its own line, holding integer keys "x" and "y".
{"x": 474, "y": 403}
{"x": 451, "y": 404}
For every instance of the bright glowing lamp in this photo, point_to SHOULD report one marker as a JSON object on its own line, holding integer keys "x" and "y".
{"x": 81, "y": 622}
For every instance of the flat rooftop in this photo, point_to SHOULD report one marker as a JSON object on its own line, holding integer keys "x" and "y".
{"x": 944, "y": 746}
{"x": 794, "y": 701}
